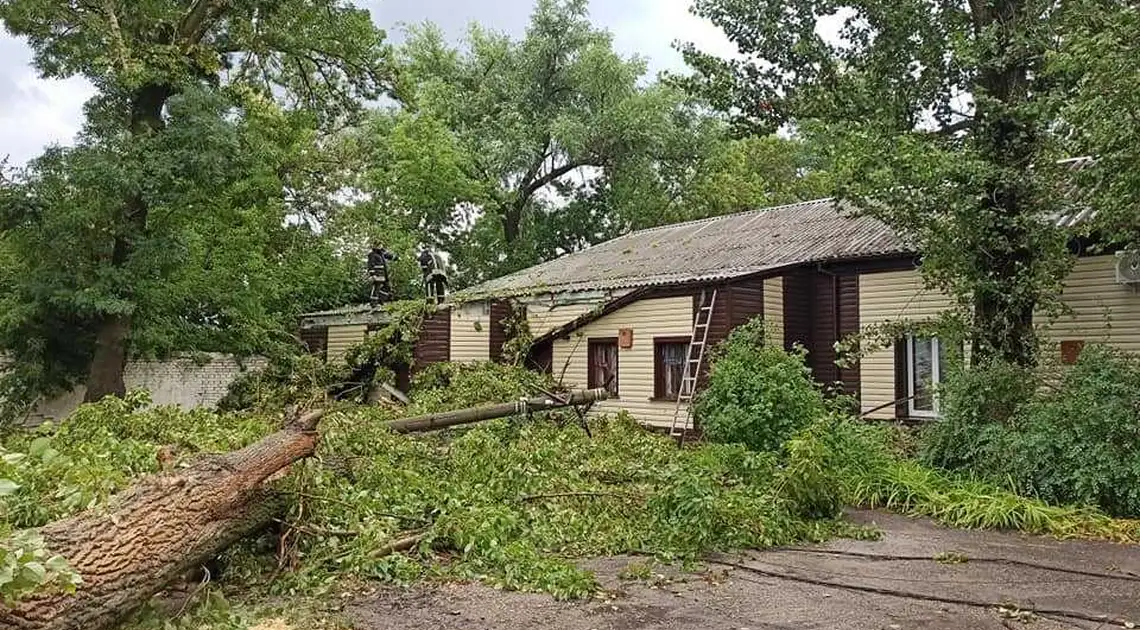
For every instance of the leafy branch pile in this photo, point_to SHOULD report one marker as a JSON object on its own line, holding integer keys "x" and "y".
{"x": 509, "y": 502}
{"x": 305, "y": 379}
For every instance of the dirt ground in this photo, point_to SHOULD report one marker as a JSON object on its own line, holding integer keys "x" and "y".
{"x": 916, "y": 576}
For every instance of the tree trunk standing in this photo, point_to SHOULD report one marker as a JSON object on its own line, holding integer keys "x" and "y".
{"x": 105, "y": 374}
{"x": 1006, "y": 135}
{"x": 512, "y": 222}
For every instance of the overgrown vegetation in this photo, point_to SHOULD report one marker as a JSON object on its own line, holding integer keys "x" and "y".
{"x": 757, "y": 394}
{"x": 1069, "y": 439}
{"x": 828, "y": 459}
{"x": 512, "y": 502}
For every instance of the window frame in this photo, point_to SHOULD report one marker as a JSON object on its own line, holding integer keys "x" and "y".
{"x": 592, "y": 344}
{"x": 659, "y": 365}
{"x": 936, "y": 362}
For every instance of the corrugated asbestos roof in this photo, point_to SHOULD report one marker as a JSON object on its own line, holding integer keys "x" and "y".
{"x": 713, "y": 249}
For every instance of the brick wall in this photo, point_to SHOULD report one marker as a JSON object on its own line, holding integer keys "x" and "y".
{"x": 188, "y": 382}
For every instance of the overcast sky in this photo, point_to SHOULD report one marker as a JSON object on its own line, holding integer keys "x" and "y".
{"x": 35, "y": 113}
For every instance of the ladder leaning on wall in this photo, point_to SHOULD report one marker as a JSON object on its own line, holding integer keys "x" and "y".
{"x": 694, "y": 358}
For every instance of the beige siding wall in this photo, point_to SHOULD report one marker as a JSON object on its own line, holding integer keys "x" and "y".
{"x": 885, "y": 297}
{"x": 471, "y": 332}
{"x": 774, "y": 311}
{"x": 1102, "y": 310}
{"x": 341, "y": 338}
{"x": 663, "y": 317}
{"x": 543, "y": 318}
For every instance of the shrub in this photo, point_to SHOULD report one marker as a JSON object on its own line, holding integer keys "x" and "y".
{"x": 1072, "y": 442}
{"x": 758, "y": 395}
{"x": 978, "y": 406}
{"x": 859, "y": 462}
{"x": 1080, "y": 442}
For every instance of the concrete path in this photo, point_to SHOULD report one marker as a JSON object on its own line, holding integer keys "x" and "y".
{"x": 983, "y": 580}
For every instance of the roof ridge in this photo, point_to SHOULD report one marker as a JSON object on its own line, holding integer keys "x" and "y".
{"x": 730, "y": 215}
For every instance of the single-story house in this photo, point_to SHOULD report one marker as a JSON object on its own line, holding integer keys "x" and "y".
{"x": 621, "y": 314}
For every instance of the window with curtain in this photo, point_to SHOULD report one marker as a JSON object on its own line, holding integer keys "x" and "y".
{"x": 603, "y": 369}
{"x": 668, "y": 366}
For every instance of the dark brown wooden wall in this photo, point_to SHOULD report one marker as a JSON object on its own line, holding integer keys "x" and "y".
{"x": 500, "y": 310}
{"x": 798, "y": 291}
{"x": 736, "y": 304}
{"x": 824, "y": 328}
{"x": 849, "y": 325}
{"x": 821, "y": 308}
{"x": 434, "y": 343}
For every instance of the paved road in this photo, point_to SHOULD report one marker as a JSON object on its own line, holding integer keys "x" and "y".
{"x": 894, "y": 583}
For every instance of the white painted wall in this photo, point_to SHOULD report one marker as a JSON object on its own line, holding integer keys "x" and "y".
{"x": 180, "y": 381}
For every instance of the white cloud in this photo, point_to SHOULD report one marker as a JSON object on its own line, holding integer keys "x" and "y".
{"x": 649, "y": 28}
{"x": 35, "y": 112}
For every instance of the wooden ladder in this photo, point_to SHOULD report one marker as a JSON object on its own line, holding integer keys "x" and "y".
{"x": 683, "y": 411}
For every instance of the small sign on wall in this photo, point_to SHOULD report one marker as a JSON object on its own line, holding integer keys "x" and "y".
{"x": 625, "y": 338}
{"x": 1071, "y": 351}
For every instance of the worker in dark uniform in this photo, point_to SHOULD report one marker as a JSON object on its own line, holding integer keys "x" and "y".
{"x": 435, "y": 278}
{"x": 378, "y": 259}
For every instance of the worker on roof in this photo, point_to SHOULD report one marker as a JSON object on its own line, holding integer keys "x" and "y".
{"x": 435, "y": 275}
{"x": 378, "y": 259}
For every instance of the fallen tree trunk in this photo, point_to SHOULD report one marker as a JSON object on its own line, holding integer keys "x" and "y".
{"x": 158, "y": 530}
{"x": 444, "y": 419}
{"x": 167, "y": 524}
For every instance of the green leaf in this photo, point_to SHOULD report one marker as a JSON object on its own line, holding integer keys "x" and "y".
{"x": 39, "y": 446}
{"x": 33, "y": 572}
{"x": 7, "y": 487}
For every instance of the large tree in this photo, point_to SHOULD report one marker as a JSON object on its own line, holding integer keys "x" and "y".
{"x": 510, "y": 152}
{"x": 225, "y": 263}
{"x": 937, "y": 113}
{"x": 322, "y": 56}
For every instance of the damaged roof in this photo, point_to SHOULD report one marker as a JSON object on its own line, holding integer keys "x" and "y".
{"x": 718, "y": 248}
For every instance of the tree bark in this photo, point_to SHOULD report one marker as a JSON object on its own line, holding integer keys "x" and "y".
{"x": 105, "y": 377}
{"x": 158, "y": 530}
{"x": 436, "y": 421}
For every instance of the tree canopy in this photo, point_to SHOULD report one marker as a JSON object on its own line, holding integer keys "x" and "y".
{"x": 166, "y": 222}
{"x": 509, "y": 152}
{"x": 939, "y": 118}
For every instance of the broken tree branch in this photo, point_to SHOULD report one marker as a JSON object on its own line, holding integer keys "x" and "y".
{"x": 435, "y": 421}
{"x": 167, "y": 524}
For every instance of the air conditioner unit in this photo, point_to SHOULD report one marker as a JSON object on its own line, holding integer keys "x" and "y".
{"x": 1128, "y": 267}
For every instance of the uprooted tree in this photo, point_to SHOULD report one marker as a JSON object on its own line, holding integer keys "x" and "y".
{"x": 167, "y": 524}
